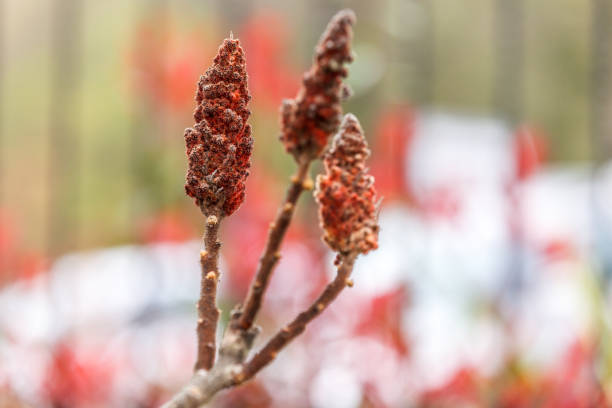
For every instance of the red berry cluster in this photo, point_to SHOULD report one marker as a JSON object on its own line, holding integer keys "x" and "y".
{"x": 219, "y": 146}
{"x": 345, "y": 193}
{"x": 308, "y": 120}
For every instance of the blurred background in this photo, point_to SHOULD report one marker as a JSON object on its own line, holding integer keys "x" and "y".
{"x": 490, "y": 123}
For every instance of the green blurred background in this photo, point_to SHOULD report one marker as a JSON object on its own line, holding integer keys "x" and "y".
{"x": 94, "y": 95}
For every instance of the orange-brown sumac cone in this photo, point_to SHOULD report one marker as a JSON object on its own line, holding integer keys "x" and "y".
{"x": 219, "y": 145}
{"x": 314, "y": 115}
{"x": 345, "y": 193}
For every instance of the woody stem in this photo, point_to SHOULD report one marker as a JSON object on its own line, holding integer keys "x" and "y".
{"x": 208, "y": 314}
{"x": 268, "y": 353}
{"x": 271, "y": 255}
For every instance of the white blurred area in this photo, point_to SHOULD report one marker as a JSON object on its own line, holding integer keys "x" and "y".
{"x": 491, "y": 265}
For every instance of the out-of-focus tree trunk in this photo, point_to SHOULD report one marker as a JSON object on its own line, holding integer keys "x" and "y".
{"x": 63, "y": 163}
{"x": 601, "y": 92}
{"x": 508, "y": 86}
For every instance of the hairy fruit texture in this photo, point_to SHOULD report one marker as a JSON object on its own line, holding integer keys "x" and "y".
{"x": 219, "y": 145}
{"x": 314, "y": 115}
{"x": 345, "y": 193}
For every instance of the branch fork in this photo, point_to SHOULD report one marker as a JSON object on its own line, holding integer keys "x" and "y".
{"x": 219, "y": 148}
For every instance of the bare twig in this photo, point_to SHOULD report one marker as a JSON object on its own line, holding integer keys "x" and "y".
{"x": 267, "y": 354}
{"x": 307, "y": 122}
{"x": 230, "y": 369}
{"x": 270, "y": 257}
{"x": 208, "y": 314}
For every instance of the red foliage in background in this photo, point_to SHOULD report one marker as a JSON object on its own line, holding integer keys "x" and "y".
{"x": 266, "y": 37}
{"x": 573, "y": 384}
{"x": 76, "y": 379}
{"x": 164, "y": 63}
{"x": 167, "y": 226}
{"x": 383, "y": 319}
{"x": 393, "y": 137}
{"x": 460, "y": 389}
{"x": 530, "y": 149}
{"x": 16, "y": 261}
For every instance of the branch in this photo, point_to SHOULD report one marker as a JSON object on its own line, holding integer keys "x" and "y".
{"x": 203, "y": 386}
{"x": 208, "y": 314}
{"x": 216, "y": 177}
{"x": 270, "y": 257}
{"x": 199, "y": 390}
{"x": 267, "y": 354}
{"x": 230, "y": 369}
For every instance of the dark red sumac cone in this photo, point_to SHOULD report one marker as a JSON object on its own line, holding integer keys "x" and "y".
{"x": 219, "y": 145}
{"x": 308, "y": 120}
{"x": 345, "y": 192}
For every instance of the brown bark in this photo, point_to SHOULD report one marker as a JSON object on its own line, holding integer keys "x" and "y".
{"x": 208, "y": 314}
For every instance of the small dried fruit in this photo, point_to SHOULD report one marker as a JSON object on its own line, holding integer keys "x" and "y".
{"x": 219, "y": 146}
{"x": 345, "y": 193}
{"x": 314, "y": 115}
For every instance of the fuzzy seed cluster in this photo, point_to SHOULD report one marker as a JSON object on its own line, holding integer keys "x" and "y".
{"x": 345, "y": 193}
{"x": 314, "y": 115}
{"x": 219, "y": 145}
